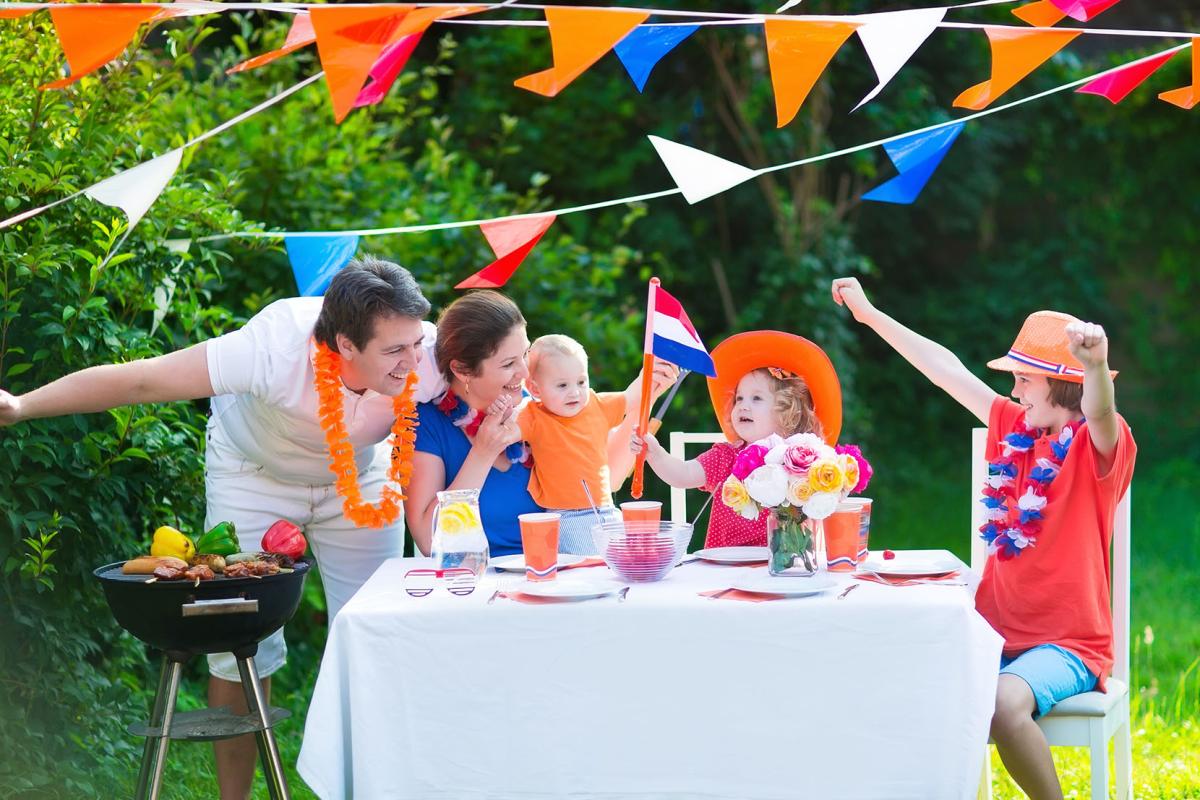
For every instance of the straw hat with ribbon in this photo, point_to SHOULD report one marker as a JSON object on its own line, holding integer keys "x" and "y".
{"x": 1041, "y": 349}
{"x": 787, "y": 353}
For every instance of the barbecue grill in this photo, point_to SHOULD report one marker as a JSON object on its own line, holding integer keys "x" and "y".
{"x": 184, "y": 619}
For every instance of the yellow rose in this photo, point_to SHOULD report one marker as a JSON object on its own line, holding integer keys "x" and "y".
{"x": 798, "y": 492}
{"x": 826, "y": 476}
{"x": 850, "y": 467}
{"x": 458, "y": 518}
{"x": 734, "y": 494}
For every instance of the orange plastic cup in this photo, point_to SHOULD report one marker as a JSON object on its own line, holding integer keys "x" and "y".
{"x": 641, "y": 516}
{"x": 846, "y": 533}
{"x": 539, "y": 541}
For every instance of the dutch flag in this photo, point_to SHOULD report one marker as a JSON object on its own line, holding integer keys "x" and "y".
{"x": 671, "y": 336}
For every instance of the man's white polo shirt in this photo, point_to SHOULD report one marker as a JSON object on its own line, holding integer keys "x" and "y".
{"x": 265, "y": 406}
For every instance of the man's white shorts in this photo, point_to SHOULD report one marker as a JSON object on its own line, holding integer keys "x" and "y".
{"x": 242, "y": 493}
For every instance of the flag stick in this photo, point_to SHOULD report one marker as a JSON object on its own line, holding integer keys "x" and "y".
{"x": 639, "y": 464}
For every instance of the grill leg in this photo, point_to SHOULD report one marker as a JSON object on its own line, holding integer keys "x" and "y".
{"x": 172, "y": 669}
{"x": 160, "y": 700}
{"x": 268, "y": 751}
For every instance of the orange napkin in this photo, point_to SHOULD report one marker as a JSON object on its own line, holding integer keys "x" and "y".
{"x": 738, "y": 594}
{"x": 915, "y": 581}
{"x": 587, "y": 562}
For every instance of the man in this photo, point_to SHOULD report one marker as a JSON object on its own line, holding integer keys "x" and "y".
{"x": 267, "y": 455}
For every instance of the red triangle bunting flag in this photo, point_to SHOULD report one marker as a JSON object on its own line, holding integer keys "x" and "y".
{"x": 1117, "y": 85}
{"x": 511, "y": 240}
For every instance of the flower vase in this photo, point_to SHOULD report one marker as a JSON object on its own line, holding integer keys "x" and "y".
{"x": 791, "y": 540}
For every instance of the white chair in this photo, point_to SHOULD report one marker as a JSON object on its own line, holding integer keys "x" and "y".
{"x": 1092, "y": 718}
{"x": 677, "y": 448}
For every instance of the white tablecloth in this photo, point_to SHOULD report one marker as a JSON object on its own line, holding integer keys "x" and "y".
{"x": 884, "y": 694}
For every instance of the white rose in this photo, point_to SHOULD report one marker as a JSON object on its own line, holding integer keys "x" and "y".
{"x": 775, "y": 454}
{"x": 768, "y": 485}
{"x": 821, "y": 504}
{"x": 807, "y": 440}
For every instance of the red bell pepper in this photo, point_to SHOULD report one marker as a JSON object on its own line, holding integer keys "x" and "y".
{"x": 284, "y": 538}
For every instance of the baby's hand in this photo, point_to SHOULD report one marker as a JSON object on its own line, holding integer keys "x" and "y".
{"x": 500, "y": 407}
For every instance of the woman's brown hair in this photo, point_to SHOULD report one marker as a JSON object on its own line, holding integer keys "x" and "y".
{"x": 470, "y": 330}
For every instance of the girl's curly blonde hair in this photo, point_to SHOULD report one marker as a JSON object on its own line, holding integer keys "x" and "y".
{"x": 793, "y": 401}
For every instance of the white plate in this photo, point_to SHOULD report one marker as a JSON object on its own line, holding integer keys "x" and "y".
{"x": 733, "y": 555}
{"x": 913, "y": 562}
{"x": 516, "y": 562}
{"x": 759, "y": 582}
{"x": 567, "y": 589}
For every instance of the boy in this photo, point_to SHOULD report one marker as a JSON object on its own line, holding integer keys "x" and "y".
{"x": 1060, "y": 459}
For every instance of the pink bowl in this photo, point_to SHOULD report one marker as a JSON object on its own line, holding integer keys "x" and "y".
{"x": 642, "y": 552}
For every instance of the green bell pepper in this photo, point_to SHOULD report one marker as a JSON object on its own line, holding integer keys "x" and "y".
{"x": 221, "y": 540}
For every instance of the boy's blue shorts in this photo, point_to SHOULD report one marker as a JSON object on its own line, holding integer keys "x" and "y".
{"x": 1052, "y": 673}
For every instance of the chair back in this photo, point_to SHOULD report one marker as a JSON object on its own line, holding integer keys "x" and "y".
{"x": 1120, "y": 552}
{"x": 678, "y": 448}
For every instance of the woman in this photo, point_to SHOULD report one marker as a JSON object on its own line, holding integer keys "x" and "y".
{"x": 481, "y": 349}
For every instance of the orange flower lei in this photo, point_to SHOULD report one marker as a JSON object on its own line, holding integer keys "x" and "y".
{"x": 330, "y": 412}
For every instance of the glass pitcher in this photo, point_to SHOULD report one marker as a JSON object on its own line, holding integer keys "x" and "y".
{"x": 458, "y": 537}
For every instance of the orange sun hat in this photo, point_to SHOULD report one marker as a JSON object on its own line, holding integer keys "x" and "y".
{"x": 1041, "y": 349}
{"x": 745, "y": 352}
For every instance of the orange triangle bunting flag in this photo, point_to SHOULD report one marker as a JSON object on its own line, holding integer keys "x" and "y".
{"x": 92, "y": 36}
{"x": 1015, "y": 54}
{"x": 1187, "y": 97}
{"x": 579, "y": 37}
{"x": 301, "y": 34}
{"x": 350, "y": 39}
{"x": 798, "y": 51}
{"x": 1040, "y": 14}
{"x": 511, "y": 240}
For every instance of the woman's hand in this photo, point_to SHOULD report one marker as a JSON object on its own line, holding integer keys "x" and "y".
{"x": 10, "y": 408}
{"x": 849, "y": 292}
{"x": 496, "y": 432}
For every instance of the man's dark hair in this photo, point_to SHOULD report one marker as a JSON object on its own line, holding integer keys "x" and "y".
{"x": 364, "y": 290}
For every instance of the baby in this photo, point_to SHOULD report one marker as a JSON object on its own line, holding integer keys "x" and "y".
{"x": 566, "y": 425}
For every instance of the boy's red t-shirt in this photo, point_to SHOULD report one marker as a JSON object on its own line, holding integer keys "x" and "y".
{"x": 1057, "y": 591}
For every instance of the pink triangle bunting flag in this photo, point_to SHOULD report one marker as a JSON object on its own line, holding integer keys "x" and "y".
{"x": 511, "y": 240}
{"x": 1116, "y": 86}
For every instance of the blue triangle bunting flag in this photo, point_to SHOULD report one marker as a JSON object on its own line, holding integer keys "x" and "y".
{"x": 316, "y": 259}
{"x": 916, "y": 157}
{"x": 646, "y": 45}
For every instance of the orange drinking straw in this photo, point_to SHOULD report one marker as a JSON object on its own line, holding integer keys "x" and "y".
{"x": 639, "y": 465}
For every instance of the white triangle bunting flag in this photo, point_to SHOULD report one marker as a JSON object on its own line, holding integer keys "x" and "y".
{"x": 891, "y": 38}
{"x": 135, "y": 190}
{"x": 699, "y": 175}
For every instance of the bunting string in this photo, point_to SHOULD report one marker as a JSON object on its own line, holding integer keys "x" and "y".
{"x": 441, "y": 226}
{"x": 702, "y": 18}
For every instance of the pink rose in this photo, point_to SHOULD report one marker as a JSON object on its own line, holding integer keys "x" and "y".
{"x": 864, "y": 467}
{"x": 747, "y": 460}
{"x": 799, "y": 458}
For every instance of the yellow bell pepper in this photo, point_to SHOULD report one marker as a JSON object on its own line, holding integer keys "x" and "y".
{"x": 170, "y": 542}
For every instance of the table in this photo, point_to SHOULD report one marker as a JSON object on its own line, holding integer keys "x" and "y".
{"x": 886, "y": 693}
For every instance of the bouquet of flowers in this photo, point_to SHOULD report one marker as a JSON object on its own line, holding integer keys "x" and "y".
{"x": 797, "y": 478}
